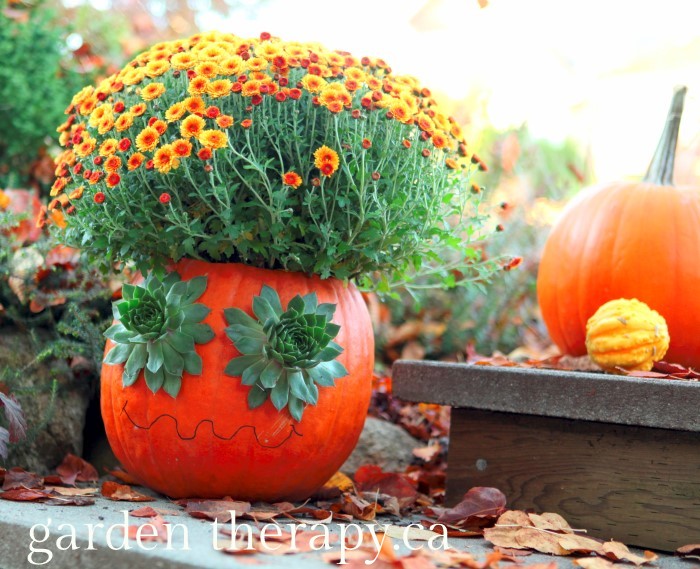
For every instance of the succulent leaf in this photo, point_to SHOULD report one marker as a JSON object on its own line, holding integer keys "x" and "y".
{"x": 158, "y": 327}
{"x": 285, "y": 354}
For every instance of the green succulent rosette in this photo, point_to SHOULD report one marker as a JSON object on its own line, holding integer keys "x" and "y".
{"x": 159, "y": 325}
{"x": 288, "y": 354}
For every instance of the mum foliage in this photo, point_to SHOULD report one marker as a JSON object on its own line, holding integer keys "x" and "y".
{"x": 270, "y": 153}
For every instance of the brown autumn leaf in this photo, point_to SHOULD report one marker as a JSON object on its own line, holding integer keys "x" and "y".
{"x": 539, "y": 540}
{"x": 581, "y": 544}
{"x": 503, "y": 534}
{"x": 479, "y": 507}
{"x": 145, "y": 512}
{"x": 124, "y": 477}
{"x": 23, "y": 495}
{"x": 619, "y": 552}
{"x": 595, "y": 563}
{"x": 334, "y": 487}
{"x": 451, "y": 532}
{"x": 20, "y": 478}
{"x": 359, "y": 508}
{"x": 550, "y": 521}
{"x": 123, "y": 492}
{"x": 217, "y": 510}
{"x": 152, "y": 530}
{"x": 691, "y": 551}
{"x": 74, "y": 469}
{"x": 427, "y": 453}
{"x": 57, "y": 500}
{"x": 61, "y": 491}
{"x": 371, "y": 478}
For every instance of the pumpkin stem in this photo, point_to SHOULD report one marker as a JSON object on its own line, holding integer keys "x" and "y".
{"x": 660, "y": 170}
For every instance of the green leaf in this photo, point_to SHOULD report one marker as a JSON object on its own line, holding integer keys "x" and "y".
{"x": 256, "y": 397}
{"x": 136, "y": 360}
{"x": 114, "y": 329}
{"x": 118, "y": 354}
{"x": 202, "y": 333}
{"x": 128, "y": 291}
{"x": 310, "y": 303}
{"x": 238, "y": 365}
{"x": 237, "y": 316}
{"x": 250, "y": 345}
{"x": 155, "y": 356}
{"x": 336, "y": 369}
{"x": 272, "y": 372}
{"x": 329, "y": 353}
{"x": 280, "y": 392}
{"x": 296, "y": 407}
{"x": 270, "y": 294}
{"x": 332, "y": 330}
{"x": 327, "y": 310}
{"x": 297, "y": 386}
{"x": 193, "y": 363}
{"x": 195, "y": 313}
{"x": 263, "y": 310}
{"x": 195, "y": 289}
{"x": 297, "y": 304}
{"x": 252, "y": 374}
{"x": 174, "y": 296}
{"x": 310, "y": 388}
{"x": 154, "y": 381}
{"x": 174, "y": 363}
{"x": 172, "y": 384}
{"x": 321, "y": 375}
{"x": 183, "y": 343}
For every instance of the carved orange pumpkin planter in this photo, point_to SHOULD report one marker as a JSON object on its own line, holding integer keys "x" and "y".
{"x": 207, "y": 441}
{"x": 627, "y": 240}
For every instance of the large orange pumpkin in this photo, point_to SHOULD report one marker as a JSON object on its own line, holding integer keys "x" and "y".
{"x": 628, "y": 240}
{"x": 207, "y": 442}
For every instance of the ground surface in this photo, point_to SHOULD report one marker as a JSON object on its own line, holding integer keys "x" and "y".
{"x": 17, "y": 519}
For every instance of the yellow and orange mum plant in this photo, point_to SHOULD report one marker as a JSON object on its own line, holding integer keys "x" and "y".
{"x": 275, "y": 154}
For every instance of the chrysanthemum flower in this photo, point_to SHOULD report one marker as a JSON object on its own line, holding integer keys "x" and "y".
{"x": 207, "y": 69}
{"x": 165, "y": 159}
{"x": 152, "y": 91}
{"x": 99, "y": 197}
{"x": 198, "y": 85}
{"x": 195, "y": 105}
{"x": 224, "y": 121}
{"x": 77, "y": 193}
{"x": 160, "y": 125}
{"x": 247, "y": 123}
{"x": 213, "y": 139}
{"x": 123, "y": 122}
{"x": 113, "y": 179}
{"x": 366, "y": 143}
{"x": 183, "y": 60}
{"x": 147, "y": 139}
{"x": 108, "y": 147}
{"x": 401, "y": 111}
{"x": 124, "y": 144}
{"x": 313, "y": 83}
{"x": 204, "y": 154}
{"x": 135, "y": 160}
{"x": 292, "y": 179}
{"x": 192, "y": 126}
{"x": 164, "y": 198}
{"x": 113, "y": 163}
{"x": 439, "y": 140}
{"x": 182, "y": 148}
{"x": 175, "y": 112}
{"x": 157, "y": 68}
{"x": 219, "y": 88}
{"x": 58, "y": 186}
{"x": 105, "y": 125}
{"x": 138, "y": 109}
{"x": 325, "y": 156}
{"x": 85, "y": 147}
{"x": 256, "y": 64}
{"x": 232, "y": 65}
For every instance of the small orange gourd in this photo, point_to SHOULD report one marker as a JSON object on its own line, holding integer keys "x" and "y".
{"x": 626, "y": 334}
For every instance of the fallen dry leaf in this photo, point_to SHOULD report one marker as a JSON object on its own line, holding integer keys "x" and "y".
{"x": 479, "y": 507}
{"x": 581, "y": 544}
{"x": 55, "y": 500}
{"x": 619, "y": 552}
{"x": 691, "y": 551}
{"x": 427, "y": 453}
{"x": 152, "y": 530}
{"x": 123, "y": 492}
{"x": 359, "y": 508}
{"x": 23, "y": 495}
{"x": 371, "y": 478}
{"x": 553, "y": 522}
{"x": 20, "y": 478}
{"x": 74, "y": 469}
{"x": 124, "y": 476}
{"x": 410, "y": 533}
{"x": 218, "y": 510}
{"x": 595, "y": 563}
{"x": 60, "y": 490}
{"x": 337, "y": 484}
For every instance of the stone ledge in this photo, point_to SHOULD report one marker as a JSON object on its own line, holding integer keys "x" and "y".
{"x": 658, "y": 403}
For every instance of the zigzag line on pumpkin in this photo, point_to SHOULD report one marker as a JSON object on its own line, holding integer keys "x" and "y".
{"x": 211, "y": 422}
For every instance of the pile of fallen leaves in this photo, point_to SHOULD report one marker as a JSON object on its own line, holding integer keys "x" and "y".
{"x": 371, "y": 496}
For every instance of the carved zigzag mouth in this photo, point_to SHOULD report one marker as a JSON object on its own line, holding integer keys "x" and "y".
{"x": 292, "y": 431}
